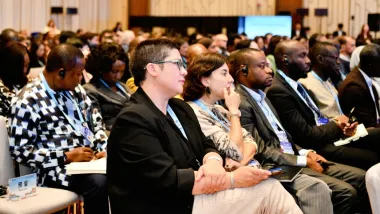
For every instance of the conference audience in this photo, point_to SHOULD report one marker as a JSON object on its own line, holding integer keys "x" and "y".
{"x": 209, "y": 44}
{"x": 14, "y": 68}
{"x": 37, "y": 54}
{"x": 339, "y": 31}
{"x": 168, "y": 165}
{"x": 193, "y": 51}
{"x": 208, "y": 82}
{"x": 253, "y": 75}
{"x": 302, "y": 118}
{"x": 52, "y": 123}
{"x": 358, "y": 89}
{"x": 364, "y": 37}
{"x": 107, "y": 64}
{"x": 270, "y": 51}
{"x": 221, "y": 41}
{"x": 347, "y": 46}
{"x": 183, "y": 47}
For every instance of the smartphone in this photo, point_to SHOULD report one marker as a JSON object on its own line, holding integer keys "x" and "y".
{"x": 276, "y": 171}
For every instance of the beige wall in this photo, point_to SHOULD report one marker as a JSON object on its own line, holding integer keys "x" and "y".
{"x": 212, "y": 7}
{"x": 93, "y": 15}
{"x": 340, "y": 11}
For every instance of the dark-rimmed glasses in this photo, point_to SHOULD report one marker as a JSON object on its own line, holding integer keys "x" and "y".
{"x": 178, "y": 62}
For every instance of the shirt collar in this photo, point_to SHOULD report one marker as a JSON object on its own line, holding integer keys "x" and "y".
{"x": 344, "y": 57}
{"x": 291, "y": 82}
{"x": 259, "y": 97}
{"x": 367, "y": 79}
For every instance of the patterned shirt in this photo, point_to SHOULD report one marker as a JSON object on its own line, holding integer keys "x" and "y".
{"x": 6, "y": 96}
{"x": 218, "y": 133}
{"x": 40, "y": 133}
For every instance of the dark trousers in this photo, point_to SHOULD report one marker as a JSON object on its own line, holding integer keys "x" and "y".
{"x": 93, "y": 188}
{"x": 349, "y": 194}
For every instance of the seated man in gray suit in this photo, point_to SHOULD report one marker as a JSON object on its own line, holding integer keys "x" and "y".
{"x": 250, "y": 70}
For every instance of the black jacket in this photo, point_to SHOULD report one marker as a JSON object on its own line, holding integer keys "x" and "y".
{"x": 298, "y": 119}
{"x": 107, "y": 101}
{"x": 150, "y": 165}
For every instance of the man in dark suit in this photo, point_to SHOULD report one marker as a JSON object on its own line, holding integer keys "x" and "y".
{"x": 339, "y": 31}
{"x": 298, "y": 32}
{"x": 347, "y": 46}
{"x": 358, "y": 89}
{"x": 259, "y": 117}
{"x": 302, "y": 118}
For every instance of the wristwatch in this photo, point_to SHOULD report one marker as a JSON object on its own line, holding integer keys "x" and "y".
{"x": 235, "y": 114}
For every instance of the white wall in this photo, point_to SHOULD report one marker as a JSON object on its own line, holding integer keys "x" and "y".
{"x": 32, "y": 15}
{"x": 340, "y": 11}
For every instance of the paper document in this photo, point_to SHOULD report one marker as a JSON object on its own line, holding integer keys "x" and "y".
{"x": 96, "y": 166}
{"x": 361, "y": 131}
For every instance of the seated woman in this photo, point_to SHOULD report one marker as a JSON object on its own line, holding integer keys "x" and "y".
{"x": 207, "y": 83}
{"x": 107, "y": 63}
{"x": 14, "y": 68}
{"x": 159, "y": 161}
{"x": 37, "y": 54}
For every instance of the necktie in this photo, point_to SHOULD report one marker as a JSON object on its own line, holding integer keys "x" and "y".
{"x": 376, "y": 97}
{"x": 311, "y": 105}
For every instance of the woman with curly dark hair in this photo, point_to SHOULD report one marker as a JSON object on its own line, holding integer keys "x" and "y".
{"x": 14, "y": 68}
{"x": 107, "y": 63}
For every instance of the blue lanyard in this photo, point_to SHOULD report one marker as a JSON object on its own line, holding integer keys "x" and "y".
{"x": 200, "y": 104}
{"x": 120, "y": 87}
{"x": 176, "y": 120}
{"x": 329, "y": 89}
{"x": 72, "y": 123}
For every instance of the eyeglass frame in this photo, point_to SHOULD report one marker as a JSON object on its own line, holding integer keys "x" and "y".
{"x": 178, "y": 62}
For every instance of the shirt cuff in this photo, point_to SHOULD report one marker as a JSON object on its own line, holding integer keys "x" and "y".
{"x": 301, "y": 160}
{"x": 305, "y": 152}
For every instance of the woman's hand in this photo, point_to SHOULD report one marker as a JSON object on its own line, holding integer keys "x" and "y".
{"x": 232, "y": 100}
{"x": 249, "y": 176}
{"x": 232, "y": 165}
{"x": 213, "y": 175}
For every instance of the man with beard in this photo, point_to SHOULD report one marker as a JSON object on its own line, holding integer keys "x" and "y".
{"x": 252, "y": 74}
{"x": 301, "y": 117}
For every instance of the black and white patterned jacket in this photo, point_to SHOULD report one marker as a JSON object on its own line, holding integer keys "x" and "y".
{"x": 39, "y": 133}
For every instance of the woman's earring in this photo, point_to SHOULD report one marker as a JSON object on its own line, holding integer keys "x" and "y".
{"x": 208, "y": 91}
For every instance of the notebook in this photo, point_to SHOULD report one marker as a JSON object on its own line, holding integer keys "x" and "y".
{"x": 361, "y": 131}
{"x": 287, "y": 173}
{"x": 93, "y": 167}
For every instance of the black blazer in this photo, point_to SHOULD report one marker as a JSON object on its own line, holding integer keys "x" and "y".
{"x": 150, "y": 164}
{"x": 109, "y": 102}
{"x": 254, "y": 120}
{"x": 298, "y": 119}
{"x": 354, "y": 92}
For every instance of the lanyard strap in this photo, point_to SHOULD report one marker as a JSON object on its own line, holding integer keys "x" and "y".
{"x": 329, "y": 89}
{"x": 176, "y": 121}
{"x": 69, "y": 119}
{"x": 120, "y": 87}
{"x": 200, "y": 104}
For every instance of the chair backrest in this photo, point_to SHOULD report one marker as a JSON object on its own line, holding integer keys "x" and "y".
{"x": 7, "y": 169}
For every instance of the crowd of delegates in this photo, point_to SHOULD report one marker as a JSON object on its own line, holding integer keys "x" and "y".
{"x": 187, "y": 124}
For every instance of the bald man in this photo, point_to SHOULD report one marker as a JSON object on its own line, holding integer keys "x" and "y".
{"x": 221, "y": 42}
{"x": 193, "y": 51}
{"x": 6, "y": 36}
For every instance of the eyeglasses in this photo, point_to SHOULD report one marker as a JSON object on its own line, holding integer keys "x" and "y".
{"x": 179, "y": 63}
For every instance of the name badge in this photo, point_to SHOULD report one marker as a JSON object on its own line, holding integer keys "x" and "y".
{"x": 86, "y": 132}
{"x": 22, "y": 187}
{"x": 322, "y": 121}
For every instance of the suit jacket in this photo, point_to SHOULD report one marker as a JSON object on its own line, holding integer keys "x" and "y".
{"x": 354, "y": 92}
{"x": 150, "y": 164}
{"x": 107, "y": 101}
{"x": 254, "y": 120}
{"x": 298, "y": 119}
